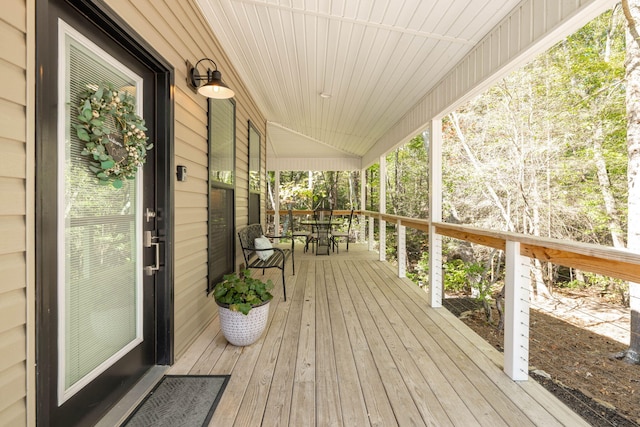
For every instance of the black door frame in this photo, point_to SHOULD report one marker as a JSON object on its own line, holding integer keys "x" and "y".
{"x": 97, "y": 12}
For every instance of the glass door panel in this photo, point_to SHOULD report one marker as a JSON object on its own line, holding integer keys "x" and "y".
{"x": 100, "y": 274}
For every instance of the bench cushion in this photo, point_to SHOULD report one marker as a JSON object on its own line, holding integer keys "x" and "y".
{"x": 263, "y": 243}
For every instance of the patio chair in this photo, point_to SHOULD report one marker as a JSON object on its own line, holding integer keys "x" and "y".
{"x": 321, "y": 235}
{"x": 337, "y": 235}
{"x": 298, "y": 233}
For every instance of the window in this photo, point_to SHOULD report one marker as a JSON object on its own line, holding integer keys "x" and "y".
{"x": 222, "y": 149}
{"x": 254, "y": 174}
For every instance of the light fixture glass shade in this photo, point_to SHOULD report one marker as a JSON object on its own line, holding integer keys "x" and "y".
{"x": 217, "y": 90}
{"x": 214, "y": 86}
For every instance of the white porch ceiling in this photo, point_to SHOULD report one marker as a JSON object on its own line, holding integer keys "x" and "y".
{"x": 374, "y": 58}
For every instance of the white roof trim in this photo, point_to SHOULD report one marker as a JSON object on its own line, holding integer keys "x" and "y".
{"x": 315, "y": 164}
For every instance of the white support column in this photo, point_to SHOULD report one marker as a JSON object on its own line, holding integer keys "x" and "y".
{"x": 402, "y": 250}
{"x": 363, "y": 200}
{"x": 434, "y": 138}
{"x": 276, "y": 203}
{"x": 382, "y": 225}
{"x": 516, "y": 316}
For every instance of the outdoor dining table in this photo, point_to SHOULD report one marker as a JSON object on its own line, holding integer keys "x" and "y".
{"x": 325, "y": 222}
{"x": 310, "y": 222}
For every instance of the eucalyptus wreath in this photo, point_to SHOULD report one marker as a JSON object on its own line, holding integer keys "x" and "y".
{"x": 114, "y": 135}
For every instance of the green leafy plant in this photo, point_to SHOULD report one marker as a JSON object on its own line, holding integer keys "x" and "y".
{"x": 241, "y": 293}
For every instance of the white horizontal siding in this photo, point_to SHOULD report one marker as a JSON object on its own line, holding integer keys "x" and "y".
{"x": 531, "y": 28}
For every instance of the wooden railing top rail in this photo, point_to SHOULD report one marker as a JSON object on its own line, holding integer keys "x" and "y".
{"x": 310, "y": 212}
{"x": 417, "y": 223}
{"x": 618, "y": 263}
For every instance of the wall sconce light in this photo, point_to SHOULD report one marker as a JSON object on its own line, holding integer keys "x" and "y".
{"x": 213, "y": 86}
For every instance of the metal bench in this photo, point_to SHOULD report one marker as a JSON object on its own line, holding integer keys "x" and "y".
{"x": 247, "y": 238}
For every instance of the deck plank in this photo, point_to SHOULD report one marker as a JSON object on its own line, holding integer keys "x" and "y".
{"x": 547, "y": 411}
{"x": 488, "y": 404}
{"x": 212, "y": 354}
{"x": 328, "y": 411}
{"x": 354, "y": 345}
{"x": 352, "y": 403}
{"x": 303, "y": 403}
{"x": 433, "y": 362}
{"x": 389, "y": 323}
{"x": 255, "y": 398}
{"x": 199, "y": 346}
{"x": 278, "y": 406}
{"x": 379, "y": 409}
{"x": 404, "y": 408}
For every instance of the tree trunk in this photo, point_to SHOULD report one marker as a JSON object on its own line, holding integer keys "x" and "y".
{"x": 476, "y": 165}
{"x": 615, "y": 229}
{"x": 631, "y": 10}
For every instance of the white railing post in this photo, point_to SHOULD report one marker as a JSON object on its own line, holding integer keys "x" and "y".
{"x": 402, "y": 250}
{"x": 382, "y": 208}
{"x": 276, "y": 204}
{"x": 433, "y": 137}
{"x": 382, "y": 232}
{"x": 435, "y": 268}
{"x": 363, "y": 200}
{"x": 370, "y": 238}
{"x": 516, "y": 316}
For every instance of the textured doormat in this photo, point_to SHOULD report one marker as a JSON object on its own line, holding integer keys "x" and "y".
{"x": 180, "y": 400}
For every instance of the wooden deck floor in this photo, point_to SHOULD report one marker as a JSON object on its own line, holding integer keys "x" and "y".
{"x": 356, "y": 346}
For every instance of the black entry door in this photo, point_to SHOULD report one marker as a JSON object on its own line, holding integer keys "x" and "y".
{"x": 103, "y": 251}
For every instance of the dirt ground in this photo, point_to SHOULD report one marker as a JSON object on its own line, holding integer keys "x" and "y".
{"x": 575, "y": 364}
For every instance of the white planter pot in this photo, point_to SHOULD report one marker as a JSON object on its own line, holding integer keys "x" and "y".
{"x": 241, "y": 330}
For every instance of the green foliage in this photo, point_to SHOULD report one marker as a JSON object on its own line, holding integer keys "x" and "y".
{"x": 455, "y": 277}
{"x": 420, "y": 272}
{"x": 241, "y": 293}
{"x": 571, "y": 284}
{"x": 373, "y": 187}
{"x": 459, "y": 276}
{"x": 408, "y": 179}
{"x": 608, "y": 288}
{"x": 114, "y": 136}
{"x": 308, "y": 190}
{"x": 462, "y": 276}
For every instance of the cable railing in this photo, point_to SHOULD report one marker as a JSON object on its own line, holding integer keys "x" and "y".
{"x": 519, "y": 250}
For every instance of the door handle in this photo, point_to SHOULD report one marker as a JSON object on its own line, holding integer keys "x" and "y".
{"x": 148, "y": 243}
